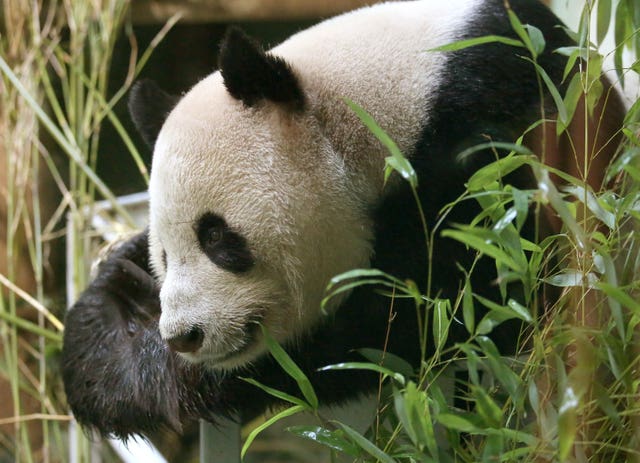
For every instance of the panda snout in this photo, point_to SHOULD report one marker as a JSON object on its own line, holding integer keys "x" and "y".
{"x": 187, "y": 342}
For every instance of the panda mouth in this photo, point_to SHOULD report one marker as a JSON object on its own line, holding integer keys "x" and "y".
{"x": 250, "y": 339}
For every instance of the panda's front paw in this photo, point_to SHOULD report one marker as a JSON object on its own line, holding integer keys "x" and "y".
{"x": 129, "y": 289}
{"x": 119, "y": 376}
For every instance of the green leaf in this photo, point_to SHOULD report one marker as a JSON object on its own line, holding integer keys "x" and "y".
{"x": 365, "y": 366}
{"x": 276, "y": 393}
{"x": 596, "y": 89}
{"x": 468, "y": 311}
{"x": 571, "y": 99}
{"x": 457, "y": 423}
{"x": 487, "y": 408}
{"x": 332, "y": 439}
{"x": 548, "y": 189}
{"x": 396, "y": 161}
{"x": 522, "y": 33}
{"x": 462, "y": 44}
{"x": 572, "y": 54}
{"x": 506, "y": 220}
{"x": 519, "y": 310}
{"x": 365, "y": 444}
{"x": 497, "y": 170}
{"x": 359, "y": 273}
{"x": 567, "y": 423}
{"x": 572, "y": 278}
{"x": 403, "y": 167}
{"x": 592, "y": 203}
{"x": 537, "y": 39}
{"x": 440, "y": 322}
{"x": 604, "y": 19}
{"x": 603, "y": 396}
{"x": 633, "y": 114}
{"x": 553, "y": 90}
{"x": 484, "y": 247}
{"x": 472, "y": 361}
{"x": 629, "y": 156}
{"x": 621, "y": 296}
{"x": 620, "y": 35}
{"x": 388, "y": 360}
{"x": 253, "y": 434}
{"x": 412, "y": 408}
{"x": 363, "y": 277}
{"x": 521, "y": 205}
{"x": 289, "y": 366}
{"x": 501, "y": 370}
{"x": 494, "y": 447}
{"x": 355, "y": 284}
{"x": 633, "y": 171}
{"x": 493, "y": 319}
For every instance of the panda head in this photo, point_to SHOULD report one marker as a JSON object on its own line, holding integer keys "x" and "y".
{"x": 251, "y": 210}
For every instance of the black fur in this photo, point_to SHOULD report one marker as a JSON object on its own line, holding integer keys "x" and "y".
{"x": 149, "y": 107}
{"x": 488, "y": 93}
{"x": 251, "y": 75}
{"x": 229, "y": 250}
{"x": 120, "y": 377}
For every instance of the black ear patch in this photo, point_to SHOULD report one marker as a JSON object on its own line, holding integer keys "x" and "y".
{"x": 149, "y": 107}
{"x": 251, "y": 75}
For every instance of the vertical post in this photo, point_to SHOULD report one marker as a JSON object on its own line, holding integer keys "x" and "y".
{"x": 220, "y": 443}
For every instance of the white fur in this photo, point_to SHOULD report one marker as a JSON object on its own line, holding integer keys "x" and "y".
{"x": 298, "y": 187}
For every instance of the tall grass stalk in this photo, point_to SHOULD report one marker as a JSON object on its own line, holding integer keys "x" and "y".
{"x": 55, "y": 59}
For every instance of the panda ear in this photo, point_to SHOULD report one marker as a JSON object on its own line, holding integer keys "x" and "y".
{"x": 251, "y": 75}
{"x": 149, "y": 107}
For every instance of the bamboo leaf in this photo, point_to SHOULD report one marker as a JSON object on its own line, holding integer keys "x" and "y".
{"x": 365, "y": 366}
{"x": 521, "y": 31}
{"x": 548, "y": 189}
{"x": 567, "y": 423}
{"x": 412, "y": 408}
{"x": 365, "y": 444}
{"x": 396, "y": 161}
{"x": 388, "y": 360}
{"x": 462, "y": 44}
{"x": 572, "y": 278}
{"x": 553, "y": 90}
{"x": 440, "y": 322}
{"x": 289, "y": 366}
{"x": 253, "y": 434}
{"x": 483, "y": 247}
{"x": 468, "y": 310}
{"x": 571, "y": 99}
{"x": 332, "y": 439}
{"x": 592, "y": 203}
{"x": 537, "y": 39}
{"x": 498, "y": 169}
{"x": 457, "y": 423}
{"x": 487, "y": 408}
{"x": 276, "y": 393}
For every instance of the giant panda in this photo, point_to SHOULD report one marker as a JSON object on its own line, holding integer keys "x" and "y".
{"x": 265, "y": 184}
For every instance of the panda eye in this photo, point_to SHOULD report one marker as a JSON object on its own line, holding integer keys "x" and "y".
{"x": 214, "y": 234}
{"x": 223, "y": 246}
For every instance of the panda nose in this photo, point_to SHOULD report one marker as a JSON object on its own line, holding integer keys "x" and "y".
{"x": 190, "y": 341}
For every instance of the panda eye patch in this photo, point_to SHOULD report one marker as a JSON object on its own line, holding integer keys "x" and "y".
{"x": 222, "y": 245}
